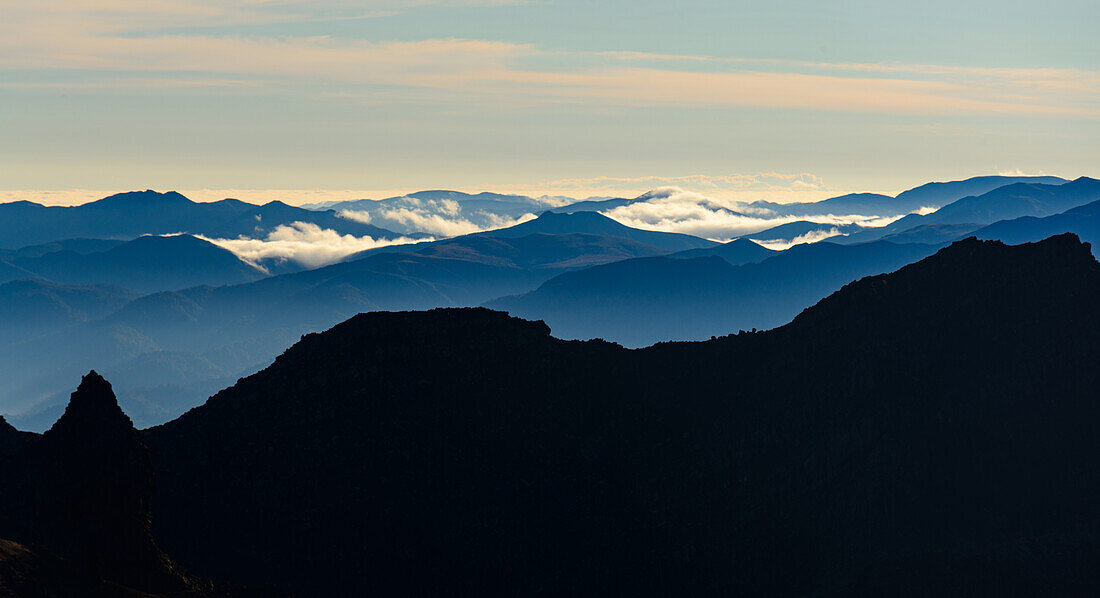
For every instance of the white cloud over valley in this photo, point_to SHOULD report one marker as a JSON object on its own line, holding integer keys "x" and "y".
{"x": 672, "y": 209}
{"x": 304, "y": 243}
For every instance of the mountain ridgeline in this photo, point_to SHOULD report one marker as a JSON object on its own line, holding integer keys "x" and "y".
{"x": 129, "y": 215}
{"x": 168, "y": 351}
{"x": 928, "y": 431}
{"x": 171, "y": 318}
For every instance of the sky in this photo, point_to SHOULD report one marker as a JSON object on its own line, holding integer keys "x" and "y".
{"x": 339, "y": 99}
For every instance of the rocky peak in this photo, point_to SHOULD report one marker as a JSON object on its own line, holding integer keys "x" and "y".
{"x": 93, "y": 413}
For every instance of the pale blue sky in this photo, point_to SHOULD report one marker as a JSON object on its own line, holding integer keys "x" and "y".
{"x": 566, "y": 96}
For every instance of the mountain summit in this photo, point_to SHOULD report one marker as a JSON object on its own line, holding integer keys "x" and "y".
{"x": 594, "y": 223}
{"x": 82, "y": 490}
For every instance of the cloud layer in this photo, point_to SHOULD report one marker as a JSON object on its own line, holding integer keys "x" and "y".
{"x": 305, "y": 244}
{"x": 673, "y": 209}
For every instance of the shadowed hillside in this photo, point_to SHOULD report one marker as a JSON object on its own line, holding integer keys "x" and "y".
{"x": 926, "y": 430}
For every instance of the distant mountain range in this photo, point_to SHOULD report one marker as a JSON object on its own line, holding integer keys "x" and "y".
{"x": 596, "y": 224}
{"x": 129, "y": 215}
{"x": 35, "y": 307}
{"x": 146, "y": 264}
{"x": 736, "y": 252}
{"x": 802, "y": 231}
{"x": 223, "y": 318}
{"x": 924, "y": 432}
{"x": 165, "y": 350}
{"x": 641, "y": 301}
{"x": 1083, "y": 221}
{"x": 1003, "y": 203}
{"x": 930, "y": 195}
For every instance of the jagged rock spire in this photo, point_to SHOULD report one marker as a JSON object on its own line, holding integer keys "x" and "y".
{"x": 92, "y": 411}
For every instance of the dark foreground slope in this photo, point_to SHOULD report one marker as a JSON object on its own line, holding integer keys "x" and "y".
{"x": 81, "y": 491}
{"x": 926, "y": 431}
{"x": 74, "y": 510}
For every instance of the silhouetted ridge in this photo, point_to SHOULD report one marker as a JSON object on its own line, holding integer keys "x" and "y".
{"x": 92, "y": 414}
{"x": 929, "y": 420}
{"x": 11, "y": 440}
{"x": 82, "y": 490}
{"x": 970, "y": 269}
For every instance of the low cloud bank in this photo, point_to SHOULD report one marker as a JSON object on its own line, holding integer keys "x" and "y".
{"x": 304, "y": 243}
{"x": 672, "y": 209}
{"x": 439, "y": 217}
{"x": 811, "y": 237}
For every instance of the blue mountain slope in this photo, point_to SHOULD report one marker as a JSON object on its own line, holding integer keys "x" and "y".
{"x": 793, "y": 230}
{"x": 1007, "y": 202}
{"x": 941, "y": 194}
{"x": 927, "y": 195}
{"x": 642, "y": 301}
{"x": 736, "y": 252}
{"x": 41, "y": 307}
{"x": 146, "y": 264}
{"x": 1084, "y": 221}
{"x": 598, "y": 224}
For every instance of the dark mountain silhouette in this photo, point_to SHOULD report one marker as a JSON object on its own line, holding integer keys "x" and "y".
{"x": 642, "y": 301}
{"x": 74, "y": 510}
{"x": 598, "y": 224}
{"x": 81, "y": 490}
{"x": 929, "y": 430}
{"x": 147, "y": 264}
{"x": 31, "y": 571}
{"x": 1083, "y": 221}
{"x": 129, "y": 215}
{"x": 1003, "y": 203}
{"x": 736, "y": 252}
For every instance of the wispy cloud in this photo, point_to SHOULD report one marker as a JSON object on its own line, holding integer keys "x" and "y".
{"x": 304, "y": 243}
{"x": 438, "y": 220}
{"x": 125, "y": 36}
{"x": 811, "y": 237}
{"x": 677, "y": 210}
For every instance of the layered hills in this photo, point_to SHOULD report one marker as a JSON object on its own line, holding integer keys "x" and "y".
{"x": 129, "y": 215}
{"x": 927, "y": 430}
{"x": 168, "y": 351}
{"x": 147, "y": 264}
{"x": 1002, "y": 203}
{"x": 642, "y": 301}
